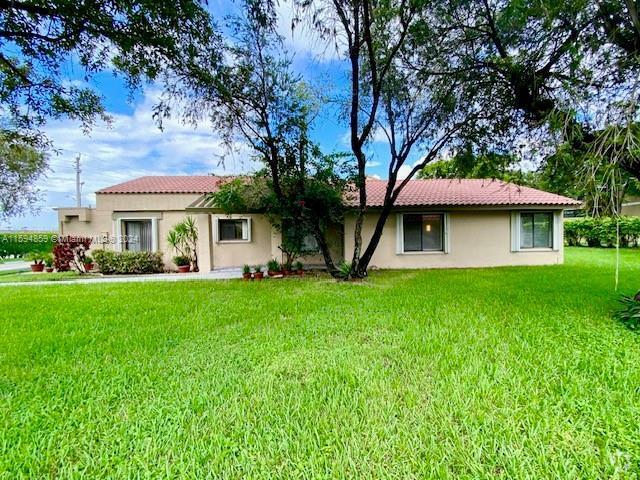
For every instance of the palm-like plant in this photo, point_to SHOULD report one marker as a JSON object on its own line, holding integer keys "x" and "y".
{"x": 183, "y": 238}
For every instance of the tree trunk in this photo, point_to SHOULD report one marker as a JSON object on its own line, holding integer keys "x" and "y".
{"x": 363, "y": 263}
{"x": 324, "y": 249}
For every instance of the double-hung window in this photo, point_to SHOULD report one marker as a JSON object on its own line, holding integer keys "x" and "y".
{"x": 536, "y": 230}
{"x": 423, "y": 232}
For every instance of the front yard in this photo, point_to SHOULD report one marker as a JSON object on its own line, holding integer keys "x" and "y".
{"x": 505, "y": 372}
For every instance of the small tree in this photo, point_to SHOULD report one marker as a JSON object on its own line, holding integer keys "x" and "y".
{"x": 71, "y": 251}
{"x": 183, "y": 238}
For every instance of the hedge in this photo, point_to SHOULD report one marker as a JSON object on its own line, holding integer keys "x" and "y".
{"x": 19, "y": 244}
{"x": 110, "y": 262}
{"x": 601, "y": 232}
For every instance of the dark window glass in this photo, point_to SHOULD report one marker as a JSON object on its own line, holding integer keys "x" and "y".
{"x": 423, "y": 233}
{"x": 138, "y": 235}
{"x": 536, "y": 230}
{"x": 231, "y": 229}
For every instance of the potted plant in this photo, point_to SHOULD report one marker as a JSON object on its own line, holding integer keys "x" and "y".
{"x": 48, "y": 263}
{"x": 183, "y": 263}
{"x": 273, "y": 268}
{"x": 38, "y": 261}
{"x": 88, "y": 263}
{"x": 258, "y": 274}
{"x": 246, "y": 272}
{"x": 299, "y": 268}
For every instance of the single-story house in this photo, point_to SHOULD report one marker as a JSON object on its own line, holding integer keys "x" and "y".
{"x": 436, "y": 223}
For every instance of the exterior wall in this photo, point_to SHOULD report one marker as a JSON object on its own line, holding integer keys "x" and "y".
{"x": 100, "y": 222}
{"x": 631, "y": 207}
{"x": 476, "y": 239}
{"x": 258, "y": 250}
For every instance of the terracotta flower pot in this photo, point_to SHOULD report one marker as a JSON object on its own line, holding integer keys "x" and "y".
{"x": 246, "y": 276}
{"x": 37, "y": 267}
{"x": 300, "y": 272}
{"x": 88, "y": 267}
{"x": 49, "y": 269}
{"x": 184, "y": 268}
{"x": 258, "y": 275}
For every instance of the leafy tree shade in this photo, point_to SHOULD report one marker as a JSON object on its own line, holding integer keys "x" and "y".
{"x": 39, "y": 41}
{"x": 21, "y": 165}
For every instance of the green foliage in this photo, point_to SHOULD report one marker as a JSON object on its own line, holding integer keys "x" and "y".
{"x": 138, "y": 40}
{"x": 246, "y": 269}
{"x": 257, "y": 268}
{"x": 21, "y": 166}
{"x": 298, "y": 265}
{"x": 19, "y": 244}
{"x": 602, "y": 231}
{"x": 183, "y": 238}
{"x": 36, "y": 257}
{"x": 88, "y": 259}
{"x": 344, "y": 270}
{"x": 110, "y": 262}
{"x": 48, "y": 260}
{"x": 273, "y": 265}
{"x": 398, "y": 370}
{"x": 181, "y": 260}
{"x": 629, "y": 314}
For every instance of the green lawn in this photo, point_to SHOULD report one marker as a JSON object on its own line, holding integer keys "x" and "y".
{"x": 509, "y": 372}
{"x": 11, "y": 276}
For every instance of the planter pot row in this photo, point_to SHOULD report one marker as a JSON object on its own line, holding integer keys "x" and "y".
{"x": 39, "y": 267}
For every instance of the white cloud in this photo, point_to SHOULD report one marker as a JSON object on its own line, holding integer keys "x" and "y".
{"x": 130, "y": 147}
{"x": 302, "y": 39}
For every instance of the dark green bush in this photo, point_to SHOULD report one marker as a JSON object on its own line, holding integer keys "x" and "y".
{"x": 20, "y": 243}
{"x": 629, "y": 315}
{"x": 601, "y": 232}
{"x": 110, "y": 262}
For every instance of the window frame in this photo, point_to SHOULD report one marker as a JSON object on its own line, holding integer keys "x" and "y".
{"x": 400, "y": 249}
{"x": 556, "y": 231}
{"x": 118, "y": 228}
{"x": 246, "y": 221}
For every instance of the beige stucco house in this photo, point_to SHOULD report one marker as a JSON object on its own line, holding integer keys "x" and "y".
{"x": 436, "y": 223}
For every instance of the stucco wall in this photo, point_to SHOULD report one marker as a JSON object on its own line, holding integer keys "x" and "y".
{"x": 632, "y": 206}
{"x": 476, "y": 239}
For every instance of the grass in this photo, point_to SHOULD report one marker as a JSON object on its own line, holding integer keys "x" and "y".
{"x": 10, "y": 276}
{"x": 508, "y": 372}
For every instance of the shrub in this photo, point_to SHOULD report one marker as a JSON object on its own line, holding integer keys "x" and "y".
{"x": 246, "y": 269}
{"x": 110, "y": 262}
{"x": 273, "y": 265}
{"x": 599, "y": 232}
{"x": 344, "y": 270}
{"x": 629, "y": 315}
{"x": 181, "y": 260}
{"x": 70, "y": 252}
{"x": 36, "y": 257}
{"x": 298, "y": 265}
{"x": 19, "y": 244}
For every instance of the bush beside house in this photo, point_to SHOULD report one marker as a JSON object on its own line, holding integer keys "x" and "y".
{"x": 601, "y": 232}
{"x": 110, "y": 262}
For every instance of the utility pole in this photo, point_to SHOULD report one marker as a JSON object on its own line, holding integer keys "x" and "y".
{"x": 78, "y": 184}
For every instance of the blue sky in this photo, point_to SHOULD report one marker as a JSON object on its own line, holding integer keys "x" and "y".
{"x": 133, "y": 145}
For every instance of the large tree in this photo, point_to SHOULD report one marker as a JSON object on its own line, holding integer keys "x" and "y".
{"x": 257, "y": 103}
{"x": 42, "y": 43}
{"x": 419, "y": 113}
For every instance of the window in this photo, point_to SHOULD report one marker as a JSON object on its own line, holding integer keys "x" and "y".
{"x": 536, "y": 230}
{"x": 236, "y": 229}
{"x": 138, "y": 235}
{"x": 423, "y": 233}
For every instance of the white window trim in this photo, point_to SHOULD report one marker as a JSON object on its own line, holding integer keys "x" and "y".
{"x": 118, "y": 231}
{"x": 246, "y": 229}
{"x": 446, "y": 237}
{"x": 556, "y": 241}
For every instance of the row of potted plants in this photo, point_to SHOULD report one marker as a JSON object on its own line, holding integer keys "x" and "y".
{"x": 274, "y": 270}
{"x": 44, "y": 262}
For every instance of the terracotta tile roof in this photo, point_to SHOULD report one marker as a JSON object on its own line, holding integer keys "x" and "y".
{"x": 168, "y": 184}
{"x": 456, "y": 192}
{"x": 417, "y": 193}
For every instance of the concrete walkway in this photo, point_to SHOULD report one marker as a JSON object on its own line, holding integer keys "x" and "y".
{"x": 220, "y": 274}
{"x": 13, "y": 265}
